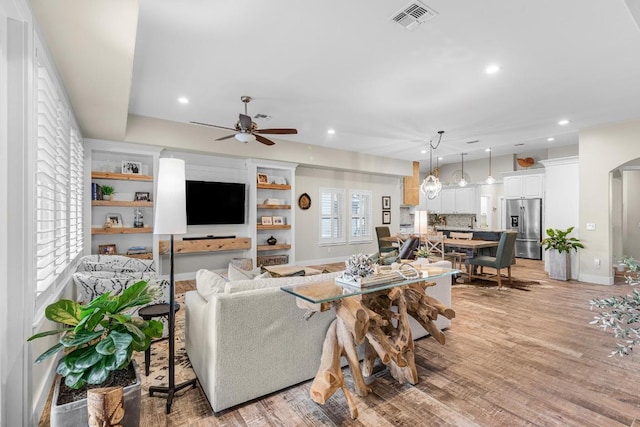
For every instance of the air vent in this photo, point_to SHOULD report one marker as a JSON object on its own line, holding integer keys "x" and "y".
{"x": 473, "y": 142}
{"x": 520, "y": 144}
{"x": 261, "y": 116}
{"x": 413, "y": 15}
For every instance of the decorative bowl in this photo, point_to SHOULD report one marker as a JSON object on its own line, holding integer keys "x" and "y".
{"x": 526, "y": 163}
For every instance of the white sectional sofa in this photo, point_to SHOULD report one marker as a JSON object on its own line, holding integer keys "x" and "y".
{"x": 250, "y": 339}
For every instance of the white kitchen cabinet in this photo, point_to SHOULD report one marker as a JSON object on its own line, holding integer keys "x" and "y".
{"x": 524, "y": 186}
{"x": 457, "y": 200}
{"x": 434, "y": 205}
{"x": 448, "y": 200}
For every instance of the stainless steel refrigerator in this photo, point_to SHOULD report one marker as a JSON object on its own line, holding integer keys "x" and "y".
{"x": 524, "y": 216}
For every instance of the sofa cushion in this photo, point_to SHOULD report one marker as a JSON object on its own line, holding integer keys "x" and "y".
{"x": 235, "y": 273}
{"x": 209, "y": 283}
{"x": 249, "y": 285}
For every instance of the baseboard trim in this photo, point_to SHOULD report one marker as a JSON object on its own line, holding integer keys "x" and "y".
{"x": 597, "y": 280}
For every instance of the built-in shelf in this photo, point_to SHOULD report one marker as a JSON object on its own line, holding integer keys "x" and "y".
{"x": 130, "y": 203}
{"x": 273, "y": 247}
{"x": 274, "y": 206}
{"x": 274, "y": 186}
{"x": 122, "y": 176}
{"x": 205, "y": 245}
{"x": 121, "y": 230}
{"x": 274, "y": 227}
{"x": 147, "y": 255}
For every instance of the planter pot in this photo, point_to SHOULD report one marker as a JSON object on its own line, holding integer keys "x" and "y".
{"x": 74, "y": 414}
{"x": 106, "y": 197}
{"x": 559, "y": 265}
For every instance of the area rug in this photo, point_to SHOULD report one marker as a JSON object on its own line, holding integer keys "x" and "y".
{"x": 159, "y": 367}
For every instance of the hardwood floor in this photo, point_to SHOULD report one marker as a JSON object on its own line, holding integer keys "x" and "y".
{"x": 514, "y": 357}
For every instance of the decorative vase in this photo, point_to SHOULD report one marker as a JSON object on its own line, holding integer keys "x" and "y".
{"x": 106, "y": 197}
{"x": 272, "y": 240}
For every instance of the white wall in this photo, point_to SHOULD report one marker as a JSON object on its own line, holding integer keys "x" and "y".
{"x": 309, "y": 180}
{"x": 630, "y": 214}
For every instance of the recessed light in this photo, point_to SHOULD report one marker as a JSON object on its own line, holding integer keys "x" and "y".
{"x": 440, "y": 158}
{"x": 423, "y": 151}
{"x": 563, "y": 122}
{"x": 183, "y": 100}
{"x": 492, "y": 69}
{"x": 331, "y": 131}
{"x": 487, "y": 149}
{"x": 551, "y": 139}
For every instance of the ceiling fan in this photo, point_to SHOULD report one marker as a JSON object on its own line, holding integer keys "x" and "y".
{"x": 247, "y": 130}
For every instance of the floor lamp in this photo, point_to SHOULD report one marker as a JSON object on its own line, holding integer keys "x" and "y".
{"x": 171, "y": 218}
{"x": 421, "y": 224}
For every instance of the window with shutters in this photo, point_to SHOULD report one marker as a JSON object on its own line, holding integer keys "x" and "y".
{"x": 332, "y": 216}
{"x": 59, "y": 172}
{"x": 360, "y": 216}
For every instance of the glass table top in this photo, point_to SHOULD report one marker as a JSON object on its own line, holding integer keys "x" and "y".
{"x": 320, "y": 292}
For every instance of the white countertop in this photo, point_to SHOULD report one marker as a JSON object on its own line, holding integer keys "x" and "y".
{"x": 448, "y": 228}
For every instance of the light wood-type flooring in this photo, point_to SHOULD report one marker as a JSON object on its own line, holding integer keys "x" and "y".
{"x": 514, "y": 357}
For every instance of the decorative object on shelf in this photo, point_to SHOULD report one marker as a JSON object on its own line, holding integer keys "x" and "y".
{"x": 137, "y": 250}
{"x": 304, "y": 202}
{"x": 386, "y": 202}
{"x": 279, "y": 180}
{"x": 272, "y": 201}
{"x": 115, "y": 221}
{"x": 131, "y": 168}
{"x": 109, "y": 249}
{"x": 96, "y": 191}
{"x": 560, "y": 247}
{"x": 137, "y": 218}
{"x": 490, "y": 179}
{"x": 462, "y": 182}
{"x": 386, "y": 217}
{"x": 526, "y": 162}
{"x": 266, "y": 220}
{"x": 142, "y": 196}
{"x": 107, "y": 192}
{"x": 431, "y": 186}
{"x": 171, "y": 218}
{"x": 359, "y": 265}
{"x": 267, "y": 260}
{"x": 242, "y": 263}
{"x": 263, "y": 178}
{"x": 278, "y": 220}
{"x": 272, "y": 241}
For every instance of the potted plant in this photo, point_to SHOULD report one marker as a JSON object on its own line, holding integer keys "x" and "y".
{"x": 560, "y": 245}
{"x": 107, "y": 192}
{"x": 98, "y": 341}
{"x": 422, "y": 252}
{"x": 621, "y": 314}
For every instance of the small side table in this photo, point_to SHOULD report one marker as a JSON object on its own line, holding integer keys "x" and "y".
{"x": 147, "y": 313}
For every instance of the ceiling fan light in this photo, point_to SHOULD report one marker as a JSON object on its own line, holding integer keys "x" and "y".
{"x": 245, "y": 137}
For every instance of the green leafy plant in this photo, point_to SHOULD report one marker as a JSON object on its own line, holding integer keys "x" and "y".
{"x": 107, "y": 190}
{"x": 621, "y": 314}
{"x": 559, "y": 240}
{"x": 422, "y": 252}
{"x": 100, "y": 336}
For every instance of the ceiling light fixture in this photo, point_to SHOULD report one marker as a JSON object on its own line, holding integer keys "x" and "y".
{"x": 331, "y": 131}
{"x": 550, "y": 139}
{"x": 490, "y": 179}
{"x": 245, "y": 137}
{"x": 431, "y": 186}
{"x": 563, "y": 122}
{"x": 462, "y": 182}
{"x": 183, "y": 100}
{"x": 492, "y": 69}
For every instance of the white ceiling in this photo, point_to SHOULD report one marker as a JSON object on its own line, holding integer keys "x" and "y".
{"x": 385, "y": 90}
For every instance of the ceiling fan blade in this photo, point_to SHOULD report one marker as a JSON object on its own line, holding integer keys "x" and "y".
{"x": 264, "y": 140}
{"x": 245, "y": 122}
{"x": 226, "y": 137}
{"x": 213, "y": 126}
{"x": 280, "y": 131}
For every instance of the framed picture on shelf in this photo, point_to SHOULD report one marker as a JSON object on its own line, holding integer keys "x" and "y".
{"x": 113, "y": 220}
{"x": 386, "y": 202}
{"x": 278, "y": 220}
{"x": 386, "y": 217}
{"x": 263, "y": 178}
{"x": 142, "y": 196}
{"x": 266, "y": 220}
{"x": 109, "y": 249}
{"x": 131, "y": 168}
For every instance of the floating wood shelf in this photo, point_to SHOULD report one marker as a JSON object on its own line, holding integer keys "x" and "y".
{"x": 147, "y": 255}
{"x": 273, "y": 247}
{"x": 121, "y": 230}
{"x": 274, "y": 187}
{"x": 121, "y": 203}
{"x": 123, "y": 176}
{"x": 274, "y": 206}
{"x": 274, "y": 227}
{"x": 205, "y": 245}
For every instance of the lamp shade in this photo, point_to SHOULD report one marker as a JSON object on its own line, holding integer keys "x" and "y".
{"x": 245, "y": 137}
{"x": 171, "y": 200}
{"x": 421, "y": 222}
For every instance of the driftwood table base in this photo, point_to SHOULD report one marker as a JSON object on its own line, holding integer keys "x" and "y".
{"x": 380, "y": 320}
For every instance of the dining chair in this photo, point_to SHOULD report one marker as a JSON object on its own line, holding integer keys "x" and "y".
{"x": 408, "y": 248}
{"x": 435, "y": 244}
{"x": 504, "y": 258}
{"x": 384, "y": 245}
{"x": 458, "y": 255}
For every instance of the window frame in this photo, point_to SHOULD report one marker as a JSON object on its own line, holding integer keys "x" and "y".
{"x": 337, "y": 195}
{"x": 365, "y": 216}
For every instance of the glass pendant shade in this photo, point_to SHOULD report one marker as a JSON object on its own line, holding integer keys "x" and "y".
{"x": 431, "y": 187}
{"x": 490, "y": 179}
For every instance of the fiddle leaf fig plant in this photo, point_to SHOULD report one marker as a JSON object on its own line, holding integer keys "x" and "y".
{"x": 100, "y": 337}
{"x": 558, "y": 239}
{"x": 621, "y": 314}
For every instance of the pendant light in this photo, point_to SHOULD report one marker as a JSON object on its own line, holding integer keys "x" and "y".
{"x": 462, "y": 182}
{"x": 490, "y": 179}
{"x": 431, "y": 185}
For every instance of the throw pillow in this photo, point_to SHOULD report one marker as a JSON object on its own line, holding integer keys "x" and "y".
{"x": 265, "y": 275}
{"x": 389, "y": 258}
{"x": 209, "y": 283}
{"x": 274, "y": 274}
{"x": 235, "y": 273}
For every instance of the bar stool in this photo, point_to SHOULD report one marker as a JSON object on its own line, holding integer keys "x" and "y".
{"x": 147, "y": 313}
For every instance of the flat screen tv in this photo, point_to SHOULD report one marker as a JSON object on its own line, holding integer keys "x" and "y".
{"x": 215, "y": 203}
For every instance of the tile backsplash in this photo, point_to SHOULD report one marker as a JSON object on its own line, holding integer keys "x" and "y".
{"x": 457, "y": 220}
